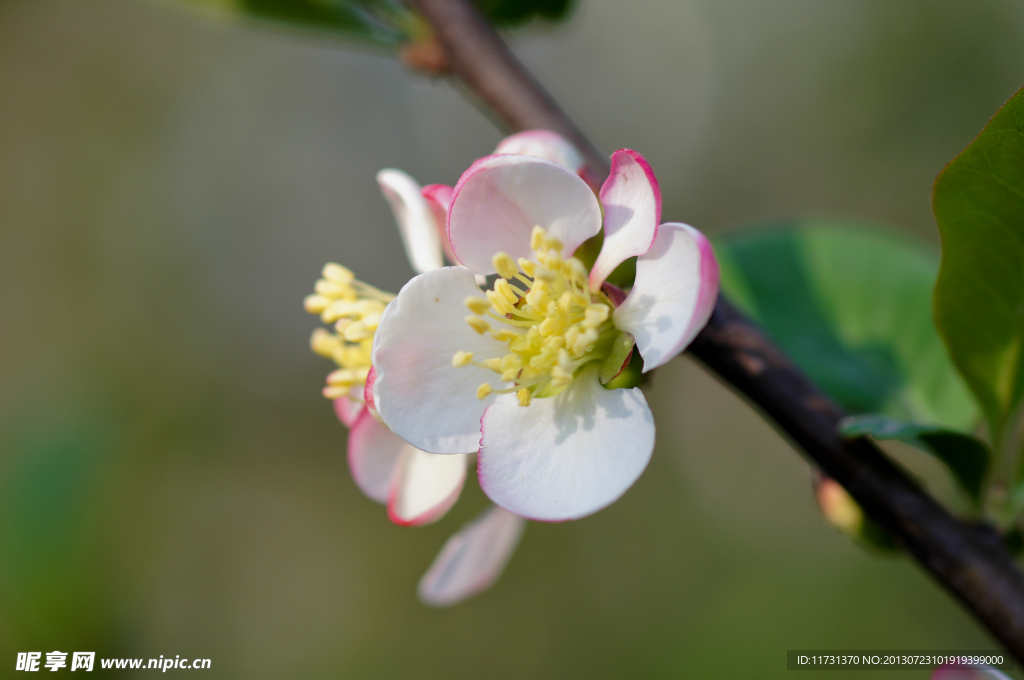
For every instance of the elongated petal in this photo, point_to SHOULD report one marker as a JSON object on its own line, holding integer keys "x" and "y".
{"x": 416, "y": 221}
{"x": 960, "y": 672}
{"x": 674, "y": 294}
{"x": 472, "y": 559}
{"x": 632, "y": 211}
{"x": 417, "y": 391}
{"x": 500, "y": 199}
{"x": 348, "y": 408}
{"x": 425, "y": 486}
{"x": 543, "y": 144}
{"x": 373, "y": 454}
{"x": 565, "y": 456}
{"x": 439, "y": 197}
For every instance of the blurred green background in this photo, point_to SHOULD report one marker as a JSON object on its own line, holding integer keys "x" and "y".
{"x": 171, "y": 480}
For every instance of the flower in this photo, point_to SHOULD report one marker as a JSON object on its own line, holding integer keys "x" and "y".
{"x": 417, "y": 487}
{"x": 521, "y": 379}
{"x": 955, "y": 671}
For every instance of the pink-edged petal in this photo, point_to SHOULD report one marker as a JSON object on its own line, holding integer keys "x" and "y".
{"x": 472, "y": 559}
{"x": 961, "y": 672}
{"x": 632, "y": 211}
{"x": 416, "y": 221}
{"x": 417, "y": 391}
{"x": 368, "y": 394}
{"x": 566, "y": 456}
{"x": 373, "y": 454}
{"x": 425, "y": 486}
{"x": 348, "y": 408}
{"x": 439, "y": 197}
{"x": 673, "y": 296}
{"x": 543, "y": 144}
{"x": 500, "y": 199}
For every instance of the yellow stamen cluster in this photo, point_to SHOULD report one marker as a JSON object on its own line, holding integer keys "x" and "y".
{"x": 545, "y": 312}
{"x": 354, "y": 308}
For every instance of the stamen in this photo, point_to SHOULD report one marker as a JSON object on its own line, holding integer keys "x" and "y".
{"x": 355, "y": 309}
{"x": 483, "y": 390}
{"x": 552, "y": 323}
{"x": 478, "y": 305}
{"x": 504, "y": 265}
{"x": 478, "y": 324}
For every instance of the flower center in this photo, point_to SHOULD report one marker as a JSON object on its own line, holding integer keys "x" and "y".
{"x": 545, "y": 312}
{"x": 354, "y": 308}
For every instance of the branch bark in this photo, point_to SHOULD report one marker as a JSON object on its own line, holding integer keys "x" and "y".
{"x": 968, "y": 560}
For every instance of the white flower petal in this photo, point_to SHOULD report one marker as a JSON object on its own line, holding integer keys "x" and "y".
{"x": 373, "y": 454}
{"x": 542, "y": 144}
{"x": 500, "y": 199}
{"x": 425, "y": 486}
{"x": 416, "y": 221}
{"x": 674, "y": 294}
{"x": 472, "y": 559}
{"x": 416, "y": 390}
{"x": 565, "y": 456}
{"x": 632, "y": 211}
{"x": 960, "y": 672}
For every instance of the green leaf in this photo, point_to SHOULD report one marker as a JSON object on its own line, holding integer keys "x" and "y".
{"x": 978, "y": 201}
{"x": 851, "y": 304}
{"x": 516, "y": 12}
{"x": 966, "y": 457}
{"x": 385, "y": 22}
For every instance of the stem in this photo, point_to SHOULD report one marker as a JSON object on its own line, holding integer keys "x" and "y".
{"x": 969, "y": 560}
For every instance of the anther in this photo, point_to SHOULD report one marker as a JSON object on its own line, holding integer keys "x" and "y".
{"x": 478, "y": 324}
{"x": 477, "y": 305}
{"x": 537, "y": 238}
{"x": 342, "y": 377}
{"x": 324, "y": 343}
{"x": 504, "y": 265}
{"x": 316, "y": 304}
{"x": 357, "y": 331}
{"x": 595, "y": 315}
{"x": 492, "y": 365}
{"x": 483, "y": 390}
{"x": 333, "y": 392}
{"x": 524, "y": 397}
{"x": 502, "y": 288}
{"x": 503, "y": 334}
{"x": 462, "y": 358}
{"x": 542, "y": 273}
{"x": 338, "y": 274}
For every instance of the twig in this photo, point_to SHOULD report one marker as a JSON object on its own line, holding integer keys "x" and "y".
{"x": 968, "y": 560}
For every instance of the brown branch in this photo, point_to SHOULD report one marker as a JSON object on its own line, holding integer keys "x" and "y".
{"x": 968, "y": 560}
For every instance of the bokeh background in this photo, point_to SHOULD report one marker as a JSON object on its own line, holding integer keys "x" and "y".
{"x": 171, "y": 480}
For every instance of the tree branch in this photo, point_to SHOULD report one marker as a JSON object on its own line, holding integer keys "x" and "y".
{"x": 968, "y": 560}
